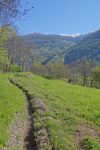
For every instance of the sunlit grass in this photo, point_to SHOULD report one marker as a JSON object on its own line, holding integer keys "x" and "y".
{"x": 11, "y": 102}
{"x": 68, "y": 106}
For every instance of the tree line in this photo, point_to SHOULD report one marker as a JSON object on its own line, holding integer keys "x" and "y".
{"x": 16, "y": 56}
{"x": 85, "y": 73}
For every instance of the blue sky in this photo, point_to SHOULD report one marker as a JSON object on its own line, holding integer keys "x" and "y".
{"x": 61, "y": 17}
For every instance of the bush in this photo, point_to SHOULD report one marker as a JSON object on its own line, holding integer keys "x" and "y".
{"x": 14, "y": 68}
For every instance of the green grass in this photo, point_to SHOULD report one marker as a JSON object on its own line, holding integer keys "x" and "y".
{"x": 68, "y": 106}
{"x": 11, "y": 102}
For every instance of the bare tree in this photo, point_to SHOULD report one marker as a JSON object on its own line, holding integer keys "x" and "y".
{"x": 10, "y": 9}
{"x": 19, "y": 53}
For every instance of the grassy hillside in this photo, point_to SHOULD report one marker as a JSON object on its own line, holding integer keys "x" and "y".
{"x": 12, "y": 105}
{"x": 72, "y": 115}
{"x": 89, "y": 47}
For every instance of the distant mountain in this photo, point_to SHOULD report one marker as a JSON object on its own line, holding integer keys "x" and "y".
{"x": 48, "y": 48}
{"x": 89, "y": 47}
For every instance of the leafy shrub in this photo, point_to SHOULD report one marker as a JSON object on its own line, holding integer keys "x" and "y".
{"x": 14, "y": 68}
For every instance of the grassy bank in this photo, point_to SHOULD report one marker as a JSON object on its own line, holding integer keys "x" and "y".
{"x": 72, "y": 114}
{"x": 12, "y": 103}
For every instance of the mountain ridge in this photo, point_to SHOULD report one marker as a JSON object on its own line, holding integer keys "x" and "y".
{"x": 49, "y": 47}
{"x": 89, "y": 47}
{"x": 66, "y": 48}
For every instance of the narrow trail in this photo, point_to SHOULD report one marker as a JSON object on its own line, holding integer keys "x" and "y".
{"x": 29, "y": 139}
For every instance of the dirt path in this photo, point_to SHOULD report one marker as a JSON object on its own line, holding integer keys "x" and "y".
{"x": 29, "y": 140}
{"x": 38, "y": 138}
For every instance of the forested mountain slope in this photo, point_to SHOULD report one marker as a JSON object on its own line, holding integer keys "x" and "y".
{"x": 89, "y": 48}
{"x": 48, "y": 48}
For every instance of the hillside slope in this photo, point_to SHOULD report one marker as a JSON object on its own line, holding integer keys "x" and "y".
{"x": 89, "y": 47}
{"x": 69, "y": 113}
{"x": 48, "y": 48}
{"x": 12, "y": 115}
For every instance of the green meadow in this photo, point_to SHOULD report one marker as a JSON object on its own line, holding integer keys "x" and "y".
{"x": 72, "y": 115}
{"x": 12, "y": 102}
